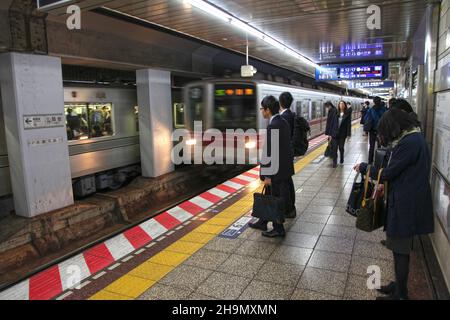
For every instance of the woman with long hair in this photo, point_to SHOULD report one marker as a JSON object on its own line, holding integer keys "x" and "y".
{"x": 409, "y": 204}
{"x": 338, "y": 128}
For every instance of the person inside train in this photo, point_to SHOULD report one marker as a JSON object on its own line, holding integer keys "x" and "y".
{"x": 371, "y": 120}
{"x": 409, "y": 200}
{"x": 339, "y": 124}
{"x": 285, "y": 101}
{"x": 73, "y": 124}
{"x": 277, "y": 183}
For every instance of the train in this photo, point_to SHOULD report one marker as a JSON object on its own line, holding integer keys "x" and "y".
{"x": 231, "y": 104}
{"x": 102, "y": 124}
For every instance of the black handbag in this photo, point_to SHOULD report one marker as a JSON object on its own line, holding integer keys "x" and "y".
{"x": 268, "y": 207}
{"x": 356, "y": 196}
{"x": 327, "y": 153}
{"x": 372, "y": 214}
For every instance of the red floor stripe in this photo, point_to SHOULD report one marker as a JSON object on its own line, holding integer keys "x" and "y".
{"x": 210, "y": 197}
{"x": 45, "y": 285}
{"x": 190, "y": 207}
{"x": 95, "y": 263}
{"x": 251, "y": 175}
{"x": 226, "y": 188}
{"x": 137, "y": 237}
{"x": 167, "y": 220}
{"x": 240, "y": 181}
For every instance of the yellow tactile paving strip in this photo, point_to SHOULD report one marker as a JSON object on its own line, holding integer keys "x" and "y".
{"x": 143, "y": 277}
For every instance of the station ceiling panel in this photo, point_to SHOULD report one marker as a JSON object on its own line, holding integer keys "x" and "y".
{"x": 322, "y": 30}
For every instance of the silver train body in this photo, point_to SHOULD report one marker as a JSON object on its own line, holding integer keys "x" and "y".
{"x": 97, "y": 161}
{"x": 235, "y": 104}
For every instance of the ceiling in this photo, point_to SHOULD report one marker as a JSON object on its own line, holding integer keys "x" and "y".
{"x": 325, "y": 31}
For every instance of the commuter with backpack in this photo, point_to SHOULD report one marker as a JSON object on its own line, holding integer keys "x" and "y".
{"x": 371, "y": 120}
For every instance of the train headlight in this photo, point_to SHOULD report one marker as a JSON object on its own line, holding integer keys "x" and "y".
{"x": 250, "y": 145}
{"x": 191, "y": 142}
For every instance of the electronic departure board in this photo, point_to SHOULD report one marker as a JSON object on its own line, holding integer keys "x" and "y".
{"x": 373, "y": 71}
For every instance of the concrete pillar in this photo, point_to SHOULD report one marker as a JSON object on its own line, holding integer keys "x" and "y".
{"x": 33, "y": 107}
{"x": 155, "y": 121}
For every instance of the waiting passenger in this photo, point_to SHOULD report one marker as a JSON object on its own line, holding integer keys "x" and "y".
{"x": 409, "y": 208}
{"x": 286, "y": 113}
{"x": 391, "y": 102}
{"x": 371, "y": 120}
{"x": 338, "y": 127}
{"x": 278, "y": 183}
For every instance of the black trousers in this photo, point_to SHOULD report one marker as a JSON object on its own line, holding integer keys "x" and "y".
{"x": 337, "y": 144}
{"x": 282, "y": 189}
{"x": 401, "y": 267}
{"x": 372, "y": 142}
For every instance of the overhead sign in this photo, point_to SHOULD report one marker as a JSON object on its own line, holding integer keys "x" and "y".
{"x": 371, "y": 84}
{"x": 375, "y": 71}
{"x": 41, "y": 121}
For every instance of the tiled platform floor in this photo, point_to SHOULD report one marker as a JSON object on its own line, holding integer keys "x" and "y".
{"x": 322, "y": 257}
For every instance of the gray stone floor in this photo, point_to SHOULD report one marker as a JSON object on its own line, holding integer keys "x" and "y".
{"x": 322, "y": 257}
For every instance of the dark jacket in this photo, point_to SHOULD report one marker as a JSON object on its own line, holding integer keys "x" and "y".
{"x": 349, "y": 128}
{"x": 332, "y": 128}
{"x": 410, "y": 209}
{"x": 373, "y": 116}
{"x": 286, "y": 158}
{"x": 345, "y": 129}
{"x": 288, "y": 115}
{"x": 363, "y": 114}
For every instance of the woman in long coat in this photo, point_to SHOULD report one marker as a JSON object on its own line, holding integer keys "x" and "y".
{"x": 409, "y": 208}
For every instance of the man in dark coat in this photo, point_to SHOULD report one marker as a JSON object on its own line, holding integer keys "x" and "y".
{"x": 409, "y": 201}
{"x": 286, "y": 113}
{"x": 332, "y": 127}
{"x": 279, "y": 171}
{"x": 373, "y": 116}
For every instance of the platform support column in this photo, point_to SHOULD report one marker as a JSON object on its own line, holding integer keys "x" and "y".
{"x": 33, "y": 107}
{"x": 155, "y": 121}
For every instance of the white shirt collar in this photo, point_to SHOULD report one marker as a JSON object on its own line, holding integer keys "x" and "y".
{"x": 283, "y": 111}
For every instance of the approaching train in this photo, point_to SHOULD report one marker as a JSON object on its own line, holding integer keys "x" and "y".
{"x": 228, "y": 104}
{"x": 103, "y": 127}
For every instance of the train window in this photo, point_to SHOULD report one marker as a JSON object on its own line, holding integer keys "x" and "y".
{"x": 100, "y": 115}
{"x": 196, "y": 104}
{"x": 77, "y": 126}
{"x": 178, "y": 115}
{"x": 84, "y": 121}
{"x": 317, "y": 110}
{"x": 233, "y": 108}
{"x": 136, "y": 117}
{"x": 302, "y": 108}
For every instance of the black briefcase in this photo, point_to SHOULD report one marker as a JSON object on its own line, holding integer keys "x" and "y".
{"x": 268, "y": 207}
{"x": 327, "y": 153}
{"x": 356, "y": 196}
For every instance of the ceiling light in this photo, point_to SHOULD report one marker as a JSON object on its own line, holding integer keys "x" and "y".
{"x": 218, "y": 13}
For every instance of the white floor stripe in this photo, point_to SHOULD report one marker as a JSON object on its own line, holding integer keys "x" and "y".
{"x": 243, "y": 177}
{"x": 119, "y": 246}
{"x": 217, "y": 192}
{"x": 18, "y": 292}
{"x": 180, "y": 214}
{"x": 233, "y": 185}
{"x": 72, "y": 271}
{"x": 153, "y": 228}
{"x": 202, "y": 203}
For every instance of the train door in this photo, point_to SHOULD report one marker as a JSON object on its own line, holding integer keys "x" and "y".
{"x": 303, "y": 108}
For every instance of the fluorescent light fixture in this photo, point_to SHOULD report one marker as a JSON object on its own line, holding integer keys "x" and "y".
{"x": 218, "y": 13}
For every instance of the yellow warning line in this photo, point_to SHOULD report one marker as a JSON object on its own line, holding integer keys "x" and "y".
{"x": 143, "y": 277}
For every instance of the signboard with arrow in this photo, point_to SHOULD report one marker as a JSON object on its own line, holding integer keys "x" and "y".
{"x": 41, "y": 121}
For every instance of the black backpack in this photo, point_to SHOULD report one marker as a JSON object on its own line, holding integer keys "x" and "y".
{"x": 300, "y": 141}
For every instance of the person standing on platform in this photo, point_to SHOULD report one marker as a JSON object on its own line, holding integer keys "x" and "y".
{"x": 277, "y": 182}
{"x": 286, "y": 113}
{"x": 371, "y": 120}
{"x": 365, "y": 108}
{"x": 409, "y": 199}
{"x": 350, "y": 111}
{"x": 339, "y": 136}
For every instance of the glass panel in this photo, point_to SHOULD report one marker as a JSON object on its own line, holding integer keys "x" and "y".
{"x": 100, "y": 115}
{"x": 178, "y": 115}
{"x": 77, "y": 126}
{"x": 234, "y": 106}
{"x": 136, "y": 117}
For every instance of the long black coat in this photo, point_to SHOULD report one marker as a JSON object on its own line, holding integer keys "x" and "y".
{"x": 332, "y": 128}
{"x": 286, "y": 158}
{"x": 288, "y": 115}
{"x": 345, "y": 129}
{"x": 410, "y": 209}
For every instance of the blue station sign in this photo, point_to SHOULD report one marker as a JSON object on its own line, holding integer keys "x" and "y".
{"x": 369, "y": 71}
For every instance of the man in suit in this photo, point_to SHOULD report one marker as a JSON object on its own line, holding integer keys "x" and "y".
{"x": 277, "y": 173}
{"x": 286, "y": 113}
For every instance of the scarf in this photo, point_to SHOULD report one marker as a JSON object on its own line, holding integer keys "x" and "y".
{"x": 404, "y": 134}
